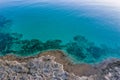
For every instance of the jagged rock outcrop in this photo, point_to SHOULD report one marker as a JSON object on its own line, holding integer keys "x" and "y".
{"x": 46, "y": 68}
{"x": 110, "y": 70}
{"x": 42, "y": 68}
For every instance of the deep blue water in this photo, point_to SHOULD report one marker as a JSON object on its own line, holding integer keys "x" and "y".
{"x": 49, "y": 20}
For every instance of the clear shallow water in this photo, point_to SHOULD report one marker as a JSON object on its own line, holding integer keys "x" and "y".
{"x": 49, "y": 20}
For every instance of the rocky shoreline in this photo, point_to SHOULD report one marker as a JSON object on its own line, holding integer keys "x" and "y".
{"x": 55, "y": 65}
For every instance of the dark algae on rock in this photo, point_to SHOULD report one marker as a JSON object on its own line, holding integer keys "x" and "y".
{"x": 84, "y": 50}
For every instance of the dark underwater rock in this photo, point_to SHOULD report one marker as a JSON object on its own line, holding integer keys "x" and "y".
{"x": 6, "y": 42}
{"x": 5, "y": 24}
{"x": 86, "y": 51}
{"x": 53, "y": 44}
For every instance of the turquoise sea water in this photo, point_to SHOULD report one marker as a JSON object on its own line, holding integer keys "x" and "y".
{"x": 49, "y": 20}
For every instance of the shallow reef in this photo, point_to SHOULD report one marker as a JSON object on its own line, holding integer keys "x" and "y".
{"x": 13, "y": 42}
{"x": 81, "y": 49}
{"x": 84, "y": 50}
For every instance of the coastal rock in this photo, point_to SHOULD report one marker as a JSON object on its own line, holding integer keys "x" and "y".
{"x": 111, "y": 71}
{"x": 42, "y": 68}
{"x": 53, "y": 65}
